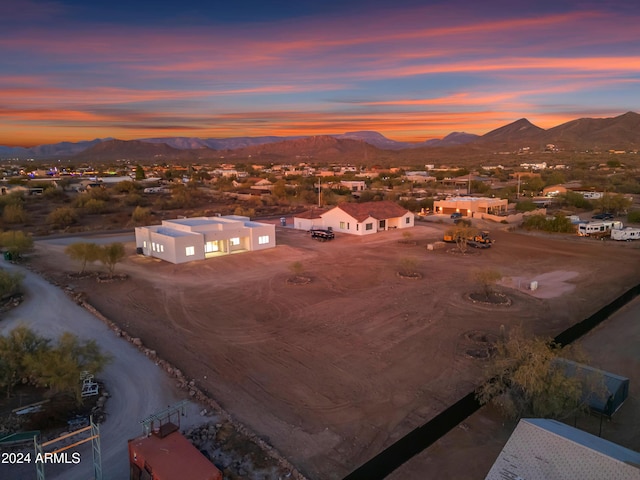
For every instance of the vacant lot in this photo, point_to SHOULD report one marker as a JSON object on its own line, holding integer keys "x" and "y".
{"x": 332, "y": 371}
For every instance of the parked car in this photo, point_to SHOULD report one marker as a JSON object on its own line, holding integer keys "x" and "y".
{"x": 603, "y": 216}
{"x": 455, "y": 215}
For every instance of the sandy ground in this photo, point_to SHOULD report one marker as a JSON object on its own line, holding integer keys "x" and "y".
{"x": 468, "y": 452}
{"x": 138, "y": 388}
{"x": 333, "y": 371}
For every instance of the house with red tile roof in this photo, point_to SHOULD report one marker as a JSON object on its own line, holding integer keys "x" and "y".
{"x": 357, "y": 218}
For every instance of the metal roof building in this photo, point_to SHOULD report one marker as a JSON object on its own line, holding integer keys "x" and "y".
{"x": 542, "y": 449}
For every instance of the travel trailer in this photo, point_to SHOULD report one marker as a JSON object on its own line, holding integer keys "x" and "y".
{"x": 598, "y": 229}
{"x": 627, "y": 234}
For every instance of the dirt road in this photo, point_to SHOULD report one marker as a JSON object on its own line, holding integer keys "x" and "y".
{"x": 137, "y": 386}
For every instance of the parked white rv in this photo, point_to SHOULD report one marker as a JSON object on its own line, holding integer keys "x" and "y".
{"x": 627, "y": 234}
{"x": 598, "y": 228}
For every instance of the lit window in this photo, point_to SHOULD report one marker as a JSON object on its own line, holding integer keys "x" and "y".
{"x": 144, "y": 244}
{"x": 190, "y": 251}
{"x": 263, "y": 239}
{"x": 161, "y": 247}
{"x": 153, "y": 246}
{"x": 368, "y": 226}
{"x": 342, "y": 224}
{"x": 235, "y": 241}
{"x": 211, "y": 247}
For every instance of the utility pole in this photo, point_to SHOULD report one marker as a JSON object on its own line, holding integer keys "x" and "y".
{"x": 319, "y": 193}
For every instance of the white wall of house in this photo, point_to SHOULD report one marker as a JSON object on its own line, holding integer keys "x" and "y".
{"x": 340, "y": 221}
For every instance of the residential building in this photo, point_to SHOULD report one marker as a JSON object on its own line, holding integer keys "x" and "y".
{"x": 357, "y": 218}
{"x": 467, "y": 206}
{"x": 188, "y": 239}
{"x": 543, "y": 449}
{"x": 354, "y": 185}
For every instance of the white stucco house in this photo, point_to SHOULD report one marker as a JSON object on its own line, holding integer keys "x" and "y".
{"x": 357, "y": 218}
{"x": 188, "y": 239}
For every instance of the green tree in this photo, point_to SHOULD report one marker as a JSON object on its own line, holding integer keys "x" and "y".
{"x": 111, "y": 254}
{"x": 279, "y": 189}
{"x": 526, "y": 378}
{"x": 59, "y": 368}
{"x": 16, "y": 242}
{"x": 15, "y": 348}
{"x": 525, "y": 206}
{"x": 616, "y": 203}
{"x": 83, "y": 252}
{"x": 140, "y": 175}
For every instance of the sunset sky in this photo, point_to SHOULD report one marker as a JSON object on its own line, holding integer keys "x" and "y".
{"x": 412, "y": 70}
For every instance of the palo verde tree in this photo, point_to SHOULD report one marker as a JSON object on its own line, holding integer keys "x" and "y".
{"x": 486, "y": 280}
{"x": 60, "y": 366}
{"x": 526, "y": 378}
{"x": 16, "y": 242}
{"x": 111, "y": 254}
{"x": 83, "y": 252}
{"x": 15, "y": 349}
{"x": 461, "y": 234}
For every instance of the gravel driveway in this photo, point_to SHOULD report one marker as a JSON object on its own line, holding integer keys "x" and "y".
{"x": 137, "y": 386}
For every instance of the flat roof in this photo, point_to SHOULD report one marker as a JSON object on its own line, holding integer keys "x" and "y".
{"x": 172, "y": 232}
{"x": 473, "y": 199}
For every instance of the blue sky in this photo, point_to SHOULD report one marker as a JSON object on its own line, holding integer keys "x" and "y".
{"x": 412, "y": 70}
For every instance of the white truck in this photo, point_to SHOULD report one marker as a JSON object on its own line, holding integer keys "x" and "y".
{"x": 627, "y": 234}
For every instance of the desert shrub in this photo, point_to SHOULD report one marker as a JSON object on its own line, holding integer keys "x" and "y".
{"x": 133, "y": 199}
{"x": 140, "y": 214}
{"x": 245, "y": 212}
{"x": 10, "y": 283}
{"x": 525, "y": 206}
{"x": 93, "y": 205}
{"x": 14, "y": 214}
{"x": 92, "y": 194}
{"x": 63, "y": 217}
{"x": 125, "y": 186}
{"x": 14, "y": 198}
{"x": 558, "y": 224}
{"x": 55, "y": 195}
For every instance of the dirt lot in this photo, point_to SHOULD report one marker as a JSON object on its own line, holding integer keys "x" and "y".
{"x": 333, "y": 371}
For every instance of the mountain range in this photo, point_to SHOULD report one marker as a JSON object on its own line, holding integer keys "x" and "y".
{"x": 620, "y": 133}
